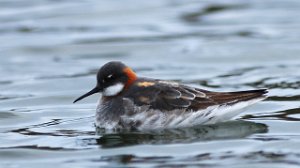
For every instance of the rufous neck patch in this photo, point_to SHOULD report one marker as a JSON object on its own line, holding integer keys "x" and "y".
{"x": 131, "y": 76}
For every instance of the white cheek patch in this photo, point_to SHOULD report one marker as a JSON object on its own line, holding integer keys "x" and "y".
{"x": 113, "y": 90}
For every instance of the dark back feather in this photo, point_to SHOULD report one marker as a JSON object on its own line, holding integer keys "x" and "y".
{"x": 166, "y": 97}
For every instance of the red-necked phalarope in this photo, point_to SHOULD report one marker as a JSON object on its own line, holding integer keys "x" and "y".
{"x": 131, "y": 102}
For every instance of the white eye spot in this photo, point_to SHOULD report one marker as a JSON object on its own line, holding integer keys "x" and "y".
{"x": 109, "y": 76}
{"x": 113, "y": 90}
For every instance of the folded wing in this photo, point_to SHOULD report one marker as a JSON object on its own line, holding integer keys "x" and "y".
{"x": 170, "y": 96}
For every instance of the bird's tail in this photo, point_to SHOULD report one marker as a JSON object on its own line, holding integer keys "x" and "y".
{"x": 232, "y": 104}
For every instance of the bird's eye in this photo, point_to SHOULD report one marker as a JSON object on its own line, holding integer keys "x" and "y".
{"x": 110, "y": 76}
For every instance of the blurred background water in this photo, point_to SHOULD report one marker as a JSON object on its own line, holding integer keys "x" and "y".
{"x": 51, "y": 49}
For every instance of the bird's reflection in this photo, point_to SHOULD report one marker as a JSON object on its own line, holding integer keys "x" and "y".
{"x": 227, "y": 130}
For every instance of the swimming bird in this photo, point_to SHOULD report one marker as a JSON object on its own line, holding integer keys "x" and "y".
{"x": 132, "y": 102}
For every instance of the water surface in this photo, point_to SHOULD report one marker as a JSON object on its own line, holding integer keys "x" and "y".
{"x": 50, "y": 51}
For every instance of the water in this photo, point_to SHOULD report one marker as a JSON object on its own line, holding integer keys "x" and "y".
{"x": 51, "y": 49}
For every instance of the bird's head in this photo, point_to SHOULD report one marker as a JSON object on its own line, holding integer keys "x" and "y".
{"x": 112, "y": 79}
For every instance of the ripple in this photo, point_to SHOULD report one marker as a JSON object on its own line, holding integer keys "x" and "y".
{"x": 101, "y": 55}
{"x": 155, "y": 37}
{"x": 36, "y": 147}
{"x": 8, "y": 97}
{"x": 89, "y": 73}
{"x": 284, "y": 98}
{"x": 5, "y": 82}
{"x": 65, "y": 133}
{"x": 32, "y": 130}
{"x": 195, "y": 17}
{"x": 27, "y": 29}
{"x": 279, "y": 115}
{"x": 5, "y": 115}
{"x": 205, "y": 159}
{"x": 51, "y": 50}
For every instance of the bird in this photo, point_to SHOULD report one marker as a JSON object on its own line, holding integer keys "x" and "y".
{"x": 131, "y": 102}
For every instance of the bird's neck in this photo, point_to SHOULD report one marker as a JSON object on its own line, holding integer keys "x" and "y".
{"x": 110, "y": 108}
{"x": 131, "y": 76}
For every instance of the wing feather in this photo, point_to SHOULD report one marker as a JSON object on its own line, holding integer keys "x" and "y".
{"x": 185, "y": 94}
{"x": 170, "y": 93}
{"x": 165, "y": 96}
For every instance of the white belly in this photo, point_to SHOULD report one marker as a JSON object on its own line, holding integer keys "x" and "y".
{"x": 144, "y": 118}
